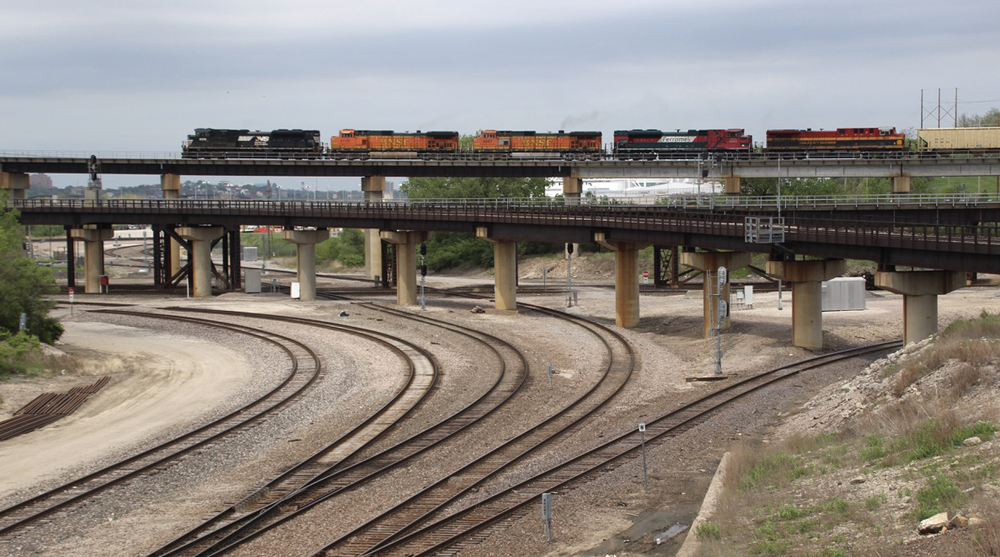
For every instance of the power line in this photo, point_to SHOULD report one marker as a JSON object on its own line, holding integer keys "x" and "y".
{"x": 980, "y": 102}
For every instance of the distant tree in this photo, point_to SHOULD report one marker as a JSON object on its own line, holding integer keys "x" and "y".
{"x": 23, "y": 284}
{"x": 473, "y": 188}
{"x": 991, "y": 118}
{"x": 348, "y": 248}
{"x": 762, "y": 187}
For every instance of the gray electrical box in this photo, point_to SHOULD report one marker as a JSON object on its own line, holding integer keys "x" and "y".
{"x": 249, "y": 253}
{"x": 251, "y": 281}
{"x": 844, "y": 294}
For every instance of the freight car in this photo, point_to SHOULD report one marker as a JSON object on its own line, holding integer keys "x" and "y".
{"x": 397, "y": 144}
{"x": 530, "y": 143}
{"x": 959, "y": 140}
{"x": 209, "y": 142}
{"x": 841, "y": 139}
{"x": 654, "y": 143}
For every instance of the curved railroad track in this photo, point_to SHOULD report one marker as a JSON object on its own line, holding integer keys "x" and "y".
{"x": 236, "y": 524}
{"x": 304, "y": 369}
{"x": 469, "y": 525}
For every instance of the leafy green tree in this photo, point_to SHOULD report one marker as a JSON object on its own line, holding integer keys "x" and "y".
{"x": 990, "y": 118}
{"x": 455, "y": 250}
{"x": 755, "y": 187}
{"x": 23, "y": 284}
{"x": 473, "y": 188}
{"x": 348, "y": 248}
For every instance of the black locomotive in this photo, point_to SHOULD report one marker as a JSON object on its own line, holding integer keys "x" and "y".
{"x": 209, "y": 143}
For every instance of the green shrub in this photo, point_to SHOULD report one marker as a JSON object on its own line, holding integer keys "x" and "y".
{"x": 708, "y": 531}
{"x": 19, "y": 354}
{"x": 937, "y": 496}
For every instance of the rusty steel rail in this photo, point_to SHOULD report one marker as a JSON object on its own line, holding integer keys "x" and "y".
{"x": 47, "y": 408}
{"x": 304, "y": 369}
{"x": 468, "y": 525}
{"x": 243, "y": 522}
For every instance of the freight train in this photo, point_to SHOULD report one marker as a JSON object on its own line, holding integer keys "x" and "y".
{"x": 636, "y": 144}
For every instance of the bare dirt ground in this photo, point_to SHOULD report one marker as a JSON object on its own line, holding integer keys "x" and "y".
{"x": 164, "y": 381}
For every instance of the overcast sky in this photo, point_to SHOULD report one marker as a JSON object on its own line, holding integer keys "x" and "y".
{"x": 109, "y": 76}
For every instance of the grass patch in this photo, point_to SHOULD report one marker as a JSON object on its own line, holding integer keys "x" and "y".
{"x": 708, "y": 531}
{"x": 875, "y": 501}
{"x": 982, "y": 430}
{"x": 937, "y": 496}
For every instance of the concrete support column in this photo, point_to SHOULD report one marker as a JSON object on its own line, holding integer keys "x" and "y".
{"x": 201, "y": 238}
{"x": 406, "y": 263}
{"x": 16, "y": 183}
{"x": 374, "y": 189}
{"x": 504, "y": 270}
{"x": 807, "y": 295}
{"x": 901, "y": 184}
{"x": 709, "y": 263}
{"x": 920, "y": 290}
{"x": 93, "y": 255}
{"x": 732, "y": 185}
{"x": 626, "y": 280}
{"x": 305, "y": 242}
{"x": 572, "y": 189}
{"x": 171, "y": 185}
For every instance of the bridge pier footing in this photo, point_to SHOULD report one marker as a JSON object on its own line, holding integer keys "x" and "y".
{"x": 93, "y": 255}
{"x": 504, "y": 270}
{"x": 406, "y": 263}
{"x": 305, "y": 242}
{"x": 807, "y": 295}
{"x": 920, "y": 290}
{"x": 626, "y": 279}
{"x": 201, "y": 238}
{"x": 171, "y": 186}
{"x": 16, "y": 183}
{"x": 374, "y": 189}
{"x": 709, "y": 263}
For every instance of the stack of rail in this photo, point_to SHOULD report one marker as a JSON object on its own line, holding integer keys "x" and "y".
{"x": 47, "y": 408}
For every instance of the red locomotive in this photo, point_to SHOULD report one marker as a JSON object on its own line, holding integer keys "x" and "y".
{"x": 841, "y": 139}
{"x": 635, "y": 142}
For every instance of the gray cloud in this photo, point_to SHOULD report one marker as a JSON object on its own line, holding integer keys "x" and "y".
{"x": 118, "y": 76}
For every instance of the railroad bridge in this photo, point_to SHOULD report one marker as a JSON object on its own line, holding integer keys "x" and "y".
{"x": 808, "y": 239}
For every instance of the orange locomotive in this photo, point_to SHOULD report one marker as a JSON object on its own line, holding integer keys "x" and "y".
{"x": 530, "y": 141}
{"x": 388, "y": 140}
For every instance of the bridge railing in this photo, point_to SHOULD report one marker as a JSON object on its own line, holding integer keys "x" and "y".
{"x": 677, "y": 201}
{"x": 800, "y": 227}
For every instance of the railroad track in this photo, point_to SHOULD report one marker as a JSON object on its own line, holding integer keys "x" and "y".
{"x": 477, "y": 473}
{"x": 243, "y": 522}
{"x": 448, "y": 534}
{"x": 304, "y": 369}
{"x": 327, "y": 487}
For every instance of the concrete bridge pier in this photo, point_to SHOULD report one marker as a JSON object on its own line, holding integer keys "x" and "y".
{"x": 305, "y": 242}
{"x": 201, "y": 238}
{"x": 807, "y": 295}
{"x": 732, "y": 185}
{"x": 504, "y": 270}
{"x": 626, "y": 279}
{"x": 374, "y": 189}
{"x": 920, "y": 290}
{"x": 171, "y": 186}
{"x": 572, "y": 189}
{"x": 16, "y": 183}
{"x": 709, "y": 263}
{"x": 93, "y": 255}
{"x": 901, "y": 184}
{"x": 406, "y": 263}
